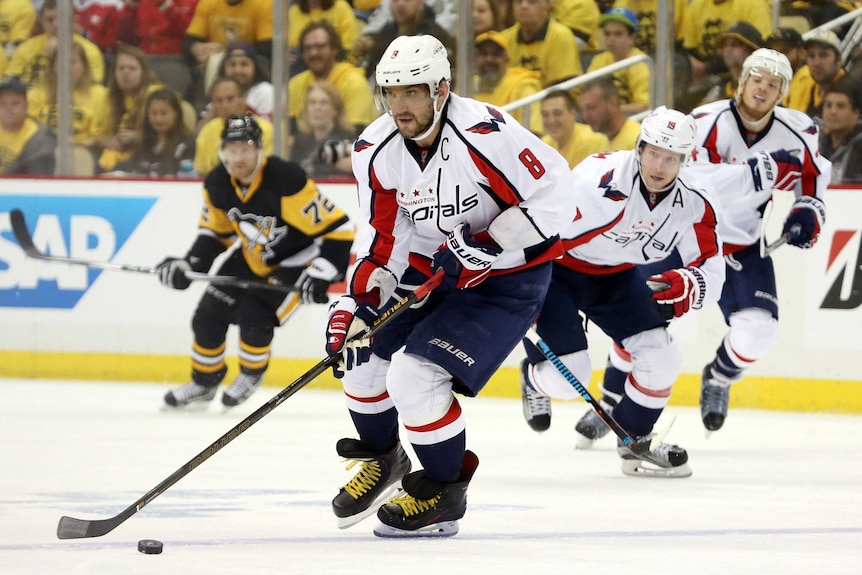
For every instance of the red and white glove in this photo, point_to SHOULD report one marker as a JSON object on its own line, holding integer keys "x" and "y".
{"x": 465, "y": 261}
{"x": 348, "y": 318}
{"x": 682, "y": 289}
{"x": 778, "y": 170}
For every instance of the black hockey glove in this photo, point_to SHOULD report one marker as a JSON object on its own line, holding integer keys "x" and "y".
{"x": 172, "y": 273}
{"x": 802, "y": 226}
{"x": 316, "y": 279}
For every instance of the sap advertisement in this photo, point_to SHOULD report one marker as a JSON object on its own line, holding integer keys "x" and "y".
{"x": 56, "y": 307}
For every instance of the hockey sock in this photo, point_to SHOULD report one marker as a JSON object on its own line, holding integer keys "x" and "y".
{"x": 636, "y": 419}
{"x": 378, "y": 430}
{"x": 727, "y": 364}
{"x": 442, "y": 461}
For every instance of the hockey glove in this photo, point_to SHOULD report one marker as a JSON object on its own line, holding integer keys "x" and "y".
{"x": 684, "y": 288}
{"x": 778, "y": 170}
{"x": 465, "y": 261}
{"x": 348, "y": 318}
{"x": 172, "y": 273}
{"x": 803, "y": 224}
{"x": 372, "y": 283}
{"x": 316, "y": 279}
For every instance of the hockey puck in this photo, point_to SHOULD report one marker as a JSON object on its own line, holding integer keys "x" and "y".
{"x": 150, "y": 546}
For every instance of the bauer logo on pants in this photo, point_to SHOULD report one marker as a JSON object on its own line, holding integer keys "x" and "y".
{"x": 92, "y": 228}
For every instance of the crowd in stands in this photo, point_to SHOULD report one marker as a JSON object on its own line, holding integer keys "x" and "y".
{"x": 152, "y": 81}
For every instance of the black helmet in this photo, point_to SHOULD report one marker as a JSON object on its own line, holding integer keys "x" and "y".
{"x": 242, "y": 128}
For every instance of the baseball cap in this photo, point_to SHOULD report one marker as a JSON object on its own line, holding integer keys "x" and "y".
{"x": 789, "y": 37}
{"x": 824, "y": 37}
{"x": 745, "y": 33}
{"x": 240, "y": 49}
{"x": 622, "y": 15}
{"x": 13, "y": 84}
{"x": 492, "y": 36}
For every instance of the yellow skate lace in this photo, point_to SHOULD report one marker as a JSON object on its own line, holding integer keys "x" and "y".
{"x": 365, "y": 479}
{"x": 412, "y": 506}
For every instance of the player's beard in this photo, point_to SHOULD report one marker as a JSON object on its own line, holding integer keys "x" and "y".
{"x": 421, "y": 126}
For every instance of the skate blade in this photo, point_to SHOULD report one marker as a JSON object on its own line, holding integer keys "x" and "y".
{"x": 195, "y": 407}
{"x": 442, "y": 529}
{"x": 383, "y": 497}
{"x": 638, "y": 468}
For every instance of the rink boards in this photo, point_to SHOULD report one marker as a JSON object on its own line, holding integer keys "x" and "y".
{"x": 72, "y": 322}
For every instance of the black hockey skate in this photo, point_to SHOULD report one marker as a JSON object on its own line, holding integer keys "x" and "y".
{"x": 537, "y": 407}
{"x": 426, "y": 508}
{"x": 644, "y": 459}
{"x": 714, "y": 399}
{"x": 377, "y": 480}
{"x": 591, "y": 427}
{"x": 191, "y": 396}
{"x": 241, "y": 389}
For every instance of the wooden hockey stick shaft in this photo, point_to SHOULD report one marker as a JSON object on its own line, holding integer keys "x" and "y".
{"x": 72, "y": 528}
{"x": 25, "y": 240}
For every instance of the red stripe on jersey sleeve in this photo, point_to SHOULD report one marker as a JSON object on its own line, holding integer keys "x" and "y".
{"x": 809, "y": 175}
{"x": 707, "y": 240}
{"x": 384, "y": 210}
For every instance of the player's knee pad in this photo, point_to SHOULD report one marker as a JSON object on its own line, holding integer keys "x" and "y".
{"x": 753, "y": 333}
{"x": 365, "y": 387}
{"x": 656, "y": 361}
{"x": 549, "y": 381}
{"x": 620, "y": 358}
{"x": 421, "y": 389}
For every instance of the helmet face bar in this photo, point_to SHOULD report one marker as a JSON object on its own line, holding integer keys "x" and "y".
{"x": 670, "y": 130}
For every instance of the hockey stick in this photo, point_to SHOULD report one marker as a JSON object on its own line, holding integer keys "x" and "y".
{"x": 534, "y": 338}
{"x": 25, "y": 240}
{"x": 71, "y": 528}
{"x": 767, "y": 248}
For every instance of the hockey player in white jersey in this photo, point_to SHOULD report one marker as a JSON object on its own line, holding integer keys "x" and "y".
{"x": 743, "y": 130}
{"x": 452, "y": 183}
{"x": 634, "y": 208}
{"x": 737, "y": 130}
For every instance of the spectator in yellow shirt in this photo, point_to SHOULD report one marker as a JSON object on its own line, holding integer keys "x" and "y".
{"x": 227, "y": 100}
{"x": 303, "y": 12}
{"x": 131, "y": 81}
{"x": 538, "y": 42}
{"x": 321, "y": 48}
{"x": 88, "y": 100}
{"x": 30, "y": 59}
{"x": 499, "y": 84}
{"x": 599, "y": 103}
{"x": 26, "y": 147}
{"x": 575, "y": 141}
{"x": 823, "y": 67}
{"x": 17, "y": 18}
{"x": 619, "y": 29}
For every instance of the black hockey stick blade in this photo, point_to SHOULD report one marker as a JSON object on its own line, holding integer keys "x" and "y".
{"x": 25, "y": 240}
{"x": 72, "y": 528}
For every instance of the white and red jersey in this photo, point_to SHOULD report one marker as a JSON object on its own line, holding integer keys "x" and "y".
{"x": 620, "y": 224}
{"x": 481, "y": 163}
{"x": 723, "y": 139}
{"x": 260, "y": 100}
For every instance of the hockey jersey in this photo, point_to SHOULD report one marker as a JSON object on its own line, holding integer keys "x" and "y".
{"x": 723, "y": 139}
{"x": 281, "y": 219}
{"x": 619, "y": 224}
{"x": 482, "y": 163}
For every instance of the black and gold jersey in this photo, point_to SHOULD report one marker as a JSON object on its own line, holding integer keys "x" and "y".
{"x": 280, "y": 220}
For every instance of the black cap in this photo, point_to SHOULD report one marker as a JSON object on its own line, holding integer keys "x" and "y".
{"x": 745, "y": 33}
{"x": 789, "y": 37}
{"x": 13, "y": 84}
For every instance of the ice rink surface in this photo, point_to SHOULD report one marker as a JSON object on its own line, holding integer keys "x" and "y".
{"x": 771, "y": 493}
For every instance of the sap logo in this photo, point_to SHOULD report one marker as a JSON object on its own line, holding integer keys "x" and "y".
{"x": 71, "y": 227}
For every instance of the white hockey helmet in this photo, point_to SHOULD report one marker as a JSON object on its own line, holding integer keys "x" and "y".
{"x": 771, "y": 61}
{"x": 670, "y": 130}
{"x": 413, "y": 60}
